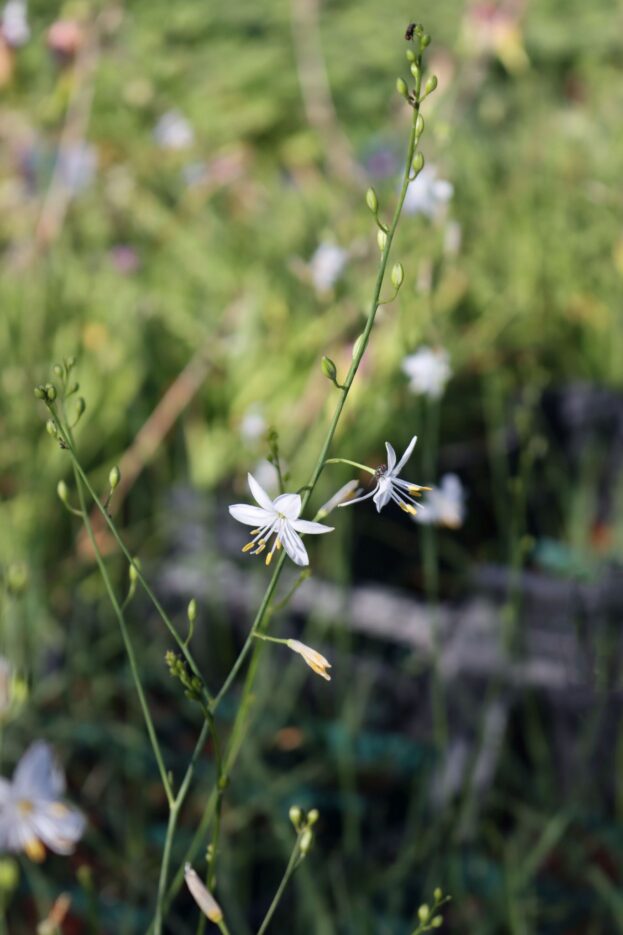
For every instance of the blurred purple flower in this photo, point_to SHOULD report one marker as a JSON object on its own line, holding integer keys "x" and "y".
{"x": 124, "y": 258}
{"x": 14, "y": 24}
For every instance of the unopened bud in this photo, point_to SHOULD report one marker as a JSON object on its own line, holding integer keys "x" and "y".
{"x": 372, "y": 201}
{"x": 358, "y": 346}
{"x": 431, "y": 84}
{"x": 134, "y": 570}
{"x": 397, "y": 275}
{"x": 329, "y": 369}
{"x": 192, "y": 610}
{"x": 425, "y": 40}
{"x": 423, "y": 913}
{"x": 438, "y": 894}
{"x": 437, "y": 922}
{"x": 70, "y": 362}
{"x": 415, "y": 70}
{"x": 40, "y": 392}
{"x": 57, "y": 370}
{"x": 50, "y": 427}
{"x": 401, "y": 87}
{"x": 418, "y": 163}
{"x": 381, "y": 239}
{"x": 50, "y": 392}
{"x": 62, "y": 491}
{"x": 306, "y": 841}
{"x": 73, "y": 388}
{"x": 410, "y": 55}
{"x": 312, "y": 816}
{"x": 80, "y": 407}
{"x": 114, "y": 477}
{"x": 419, "y": 125}
{"x": 295, "y": 816}
{"x": 202, "y": 896}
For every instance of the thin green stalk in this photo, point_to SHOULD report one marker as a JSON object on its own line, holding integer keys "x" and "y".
{"x": 129, "y": 648}
{"x": 164, "y": 869}
{"x": 220, "y": 789}
{"x": 291, "y": 867}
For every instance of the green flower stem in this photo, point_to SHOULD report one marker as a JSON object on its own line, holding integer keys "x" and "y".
{"x": 362, "y": 467}
{"x": 111, "y": 525}
{"x": 269, "y": 639}
{"x": 293, "y": 863}
{"x": 129, "y": 648}
{"x": 164, "y": 869}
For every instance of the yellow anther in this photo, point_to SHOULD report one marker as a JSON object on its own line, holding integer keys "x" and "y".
{"x": 269, "y": 558}
{"x": 259, "y": 549}
{"x": 35, "y": 850}
{"x": 254, "y": 532}
{"x": 278, "y": 544}
{"x": 249, "y": 545}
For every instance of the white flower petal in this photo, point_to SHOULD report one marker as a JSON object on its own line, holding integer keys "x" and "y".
{"x": 391, "y": 457}
{"x": 202, "y": 896}
{"x": 308, "y": 526}
{"x": 58, "y": 826}
{"x": 366, "y": 496}
{"x": 289, "y": 504}
{"x": 293, "y": 544}
{"x": 251, "y": 515}
{"x": 37, "y": 775}
{"x": 259, "y": 494}
{"x": 405, "y": 457}
{"x": 383, "y": 494}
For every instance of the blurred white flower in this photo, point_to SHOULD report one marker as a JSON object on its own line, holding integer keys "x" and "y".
{"x": 428, "y": 371}
{"x": 314, "y": 659}
{"x": 77, "y": 166}
{"x": 173, "y": 131}
{"x": 327, "y": 265}
{"x": 14, "y": 24}
{"x": 31, "y": 811}
{"x": 389, "y": 486}
{"x": 253, "y": 425}
{"x": 427, "y": 194}
{"x": 266, "y": 475}
{"x": 444, "y": 505}
{"x": 202, "y": 895}
{"x": 344, "y": 494}
{"x": 279, "y": 517}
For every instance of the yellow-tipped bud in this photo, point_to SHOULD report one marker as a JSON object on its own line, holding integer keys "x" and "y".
{"x": 202, "y": 896}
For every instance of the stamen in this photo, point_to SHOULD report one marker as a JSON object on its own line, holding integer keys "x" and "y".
{"x": 269, "y": 557}
{"x": 278, "y": 543}
{"x": 249, "y": 545}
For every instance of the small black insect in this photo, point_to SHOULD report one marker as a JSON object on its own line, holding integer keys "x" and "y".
{"x": 410, "y": 31}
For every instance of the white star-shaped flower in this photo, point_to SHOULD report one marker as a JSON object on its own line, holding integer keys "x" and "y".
{"x": 444, "y": 505}
{"x": 31, "y": 811}
{"x": 428, "y": 371}
{"x": 389, "y": 486}
{"x": 278, "y": 518}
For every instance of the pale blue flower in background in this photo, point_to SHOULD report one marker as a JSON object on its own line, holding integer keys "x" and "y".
{"x": 444, "y": 505}
{"x": 428, "y": 371}
{"x": 427, "y": 194}
{"x": 14, "y": 23}
{"x": 31, "y": 811}
{"x": 173, "y": 131}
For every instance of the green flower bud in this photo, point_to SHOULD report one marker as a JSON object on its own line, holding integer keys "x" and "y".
{"x": 419, "y": 126}
{"x": 114, "y": 477}
{"x": 425, "y": 40}
{"x": 50, "y": 392}
{"x": 415, "y": 71}
{"x": 306, "y": 841}
{"x": 62, "y": 491}
{"x": 437, "y": 922}
{"x": 438, "y": 894}
{"x": 57, "y": 370}
{"x": 192, "y": 610}
{"x": 70, "y": 362}
{"x": 381, "y": 239}
{"x": 357, "y": 346}
{"x": 372, "y": 201}
{"x": 50, "y": 427}
{"x": 401, "y": 87}
{"x": 73, "y": 388}
{"x": 134, "y": 570}
{"x": 329, "y": 369}
{"x": 40, "y": 392}
{"x": 80, "y": 407}
{"x": 9, "y": 875}
{"x": 418, "y": 163}
{"x": 312, "y": 816}
{"x": 431, "y": 84}
{"x": 423, "y": 913}
{"x": 295, "y": 816}
{"x": 410, "y": 55}
{"x": 397, "y": 275}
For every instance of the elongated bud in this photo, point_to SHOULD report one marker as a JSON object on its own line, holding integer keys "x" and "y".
{"x": 438, "y": 894}
{"x": 295, "y": 815}
{"x": 134, "y": 571}
{"x": 114, "y": 477}
{"x": 419, "y": 126}
{"x": 397, "y": 275}
{"x": 381, "y": 239}
{"x": 70, "y": 362}
{"x": 192, "y": 611}
{"x": 62, "y": 491}
{"x": 415, "y": 71}
{"x": 425, "y": 40}
{"x": 202, "y": 896}
{"x": 312, "y": 816}
{"x": 80, "y": 407}
{"x": 431, "y": 84}
{"x": 410, "y": 55}
{"x": 50, "y": 427}
{"x": 423, "y": 913}
{"x": 329, "y": 369}
{"x": 50, "y": 392}
{"x": 306, "y": 841}
{"x": 57, "y": 370}
{"x": 372, "y": 201}
{"x": 401, "y": 87}
{"x": 39, "y": 391}
{"x": 418, "y": 163}
{"x": 357, "y": 346}
{"x": 73, "y": 389}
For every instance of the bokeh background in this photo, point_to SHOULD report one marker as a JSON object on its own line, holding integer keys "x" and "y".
{"x": 181, "y": 208}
